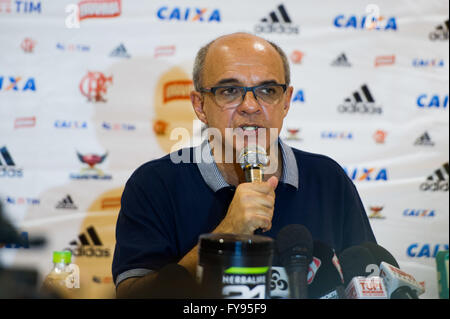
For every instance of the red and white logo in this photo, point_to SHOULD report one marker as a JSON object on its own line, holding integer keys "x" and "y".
{"x": 28, "y": 45}
{"x": 379, "y": 136}
{"x": 99, "y": 9}
{"x": 313, "y": 268}
{"x": 25, "y": 122}
{"x": 297, "y": 56}
{"x": 166, "y": 50}
{"x": 384, "y": 60}
{"x": 93, "y": 86}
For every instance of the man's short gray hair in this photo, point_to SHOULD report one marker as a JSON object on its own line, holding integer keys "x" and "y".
{"x": 199, "y": 63}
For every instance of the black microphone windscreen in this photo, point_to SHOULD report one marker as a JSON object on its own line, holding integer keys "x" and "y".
{"x": 354, "y": 261}
{"x": 380, "y": 253}
{"x": 328, "y": 275}
{"x": 294, "y": 239}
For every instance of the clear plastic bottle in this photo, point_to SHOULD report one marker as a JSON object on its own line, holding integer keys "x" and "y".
{"x": 63, "y": 276}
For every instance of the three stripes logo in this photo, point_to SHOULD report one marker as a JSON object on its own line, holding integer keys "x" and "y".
{"x": 88, "y": 244}
{"x": 120, "y": 52}
{"x": 440, "y": 33}
{"x": 361, "y": 101}
{"x": 278, "y": 21}
{"x": 8, "y": 168}
{"x": 66, "y": 203}
{"x": 438, "y": 181}
{"x": 341, "y": 60}
{"x": 424, "y": 140}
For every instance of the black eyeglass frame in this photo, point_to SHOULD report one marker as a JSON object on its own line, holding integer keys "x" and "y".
{"x": 246, "y": 89}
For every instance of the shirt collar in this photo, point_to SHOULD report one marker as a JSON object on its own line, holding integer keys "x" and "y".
{"x": 214, "y": 179}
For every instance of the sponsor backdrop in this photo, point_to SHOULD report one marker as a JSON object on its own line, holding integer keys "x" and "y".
{"x": 92, "y": 89}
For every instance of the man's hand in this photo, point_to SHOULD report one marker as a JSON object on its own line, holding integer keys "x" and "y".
{"x": 251, "y": 208}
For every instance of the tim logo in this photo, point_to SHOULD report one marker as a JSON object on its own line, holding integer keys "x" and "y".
{"x": 367, "y": 174}
{"x": 361, "y": 102}
{"x": 189, "y": 14}
{"x": 15, "y": 83}
{"x": 438, "y": 181}
{"x": 94, "y": 86}
{"x": 20, "y": 6}
{"x": 8, "y": 168}
{"x": 278, "y": 21}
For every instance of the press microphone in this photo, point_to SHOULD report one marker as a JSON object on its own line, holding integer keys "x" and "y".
{"x": 252, "y": 159}
{"x": 354, "y": 261}
{"x": 380, "y": 254}
{"x": 294, "y": 247}
{"x": 328, "y": 280}
{"x": 399, "y": 284}
{"x": 366, "y": 288}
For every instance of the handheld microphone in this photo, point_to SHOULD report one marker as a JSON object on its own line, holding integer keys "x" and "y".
{"x": 399, "y": 284}
{"x": 328, "y": 280}
{"x": 295, "y": 245}
{"x": 252, "y": 159}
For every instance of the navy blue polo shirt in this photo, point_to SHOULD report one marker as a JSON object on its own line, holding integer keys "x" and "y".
{"x": 166, "y": 206}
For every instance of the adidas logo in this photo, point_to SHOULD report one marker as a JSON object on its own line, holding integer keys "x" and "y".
{"x": 440, "y": 33}
{"x": 278, "y": 21}
{"x": 120, "y": 52}
{"x": 438, "y": 181}
{"x": 66, "y": 203}
{"x": 424, "y": 140}
{"x": 88, "y": 245}
{"x": 341, "y": 60}
{"x": 6, "y": 157}
{"x": 7, "y": 166}
{"x": 360, "y": 102}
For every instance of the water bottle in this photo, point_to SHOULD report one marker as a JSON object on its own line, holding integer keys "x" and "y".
{"x": 63, "y": 277}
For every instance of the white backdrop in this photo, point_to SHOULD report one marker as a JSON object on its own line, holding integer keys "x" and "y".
{"x": 115, "y": 82}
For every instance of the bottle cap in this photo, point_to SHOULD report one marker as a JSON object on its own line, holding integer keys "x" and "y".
{"x": 62, "y": 256}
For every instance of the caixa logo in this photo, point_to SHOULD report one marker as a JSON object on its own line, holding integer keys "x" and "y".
{"x": 367, "y": 174}
{"x": 432, "y": 101}
{"x": 417, "y": 250}
{"x": 17, "y": 83}
{"x": 365, "y": 22}
{"x": 189, "y": 14}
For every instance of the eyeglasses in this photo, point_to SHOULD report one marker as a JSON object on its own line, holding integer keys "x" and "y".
{"x": 233, "y": 96}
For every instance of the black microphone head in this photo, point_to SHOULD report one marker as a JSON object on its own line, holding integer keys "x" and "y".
{"x": 354, "y": 261}
{"x": 380, "y": 254}
{"x": 328, "y": 276}
{"x": 294, "y": 239}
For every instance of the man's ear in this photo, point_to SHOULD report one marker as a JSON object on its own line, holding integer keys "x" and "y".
{"x": 287, "y": 101}
{"x": 197, "y": 104}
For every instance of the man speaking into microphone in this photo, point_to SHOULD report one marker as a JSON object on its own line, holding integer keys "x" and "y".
{"x": 242, "y": 87}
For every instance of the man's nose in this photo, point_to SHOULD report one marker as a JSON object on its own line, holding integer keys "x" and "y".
{"x": 249, "y": 104}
